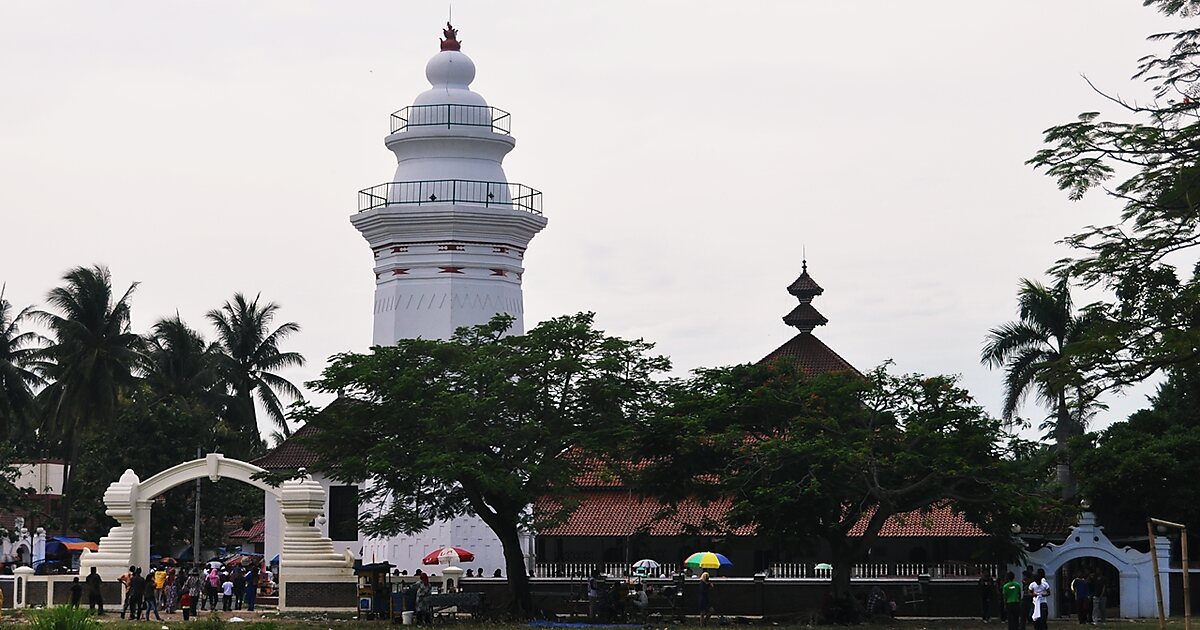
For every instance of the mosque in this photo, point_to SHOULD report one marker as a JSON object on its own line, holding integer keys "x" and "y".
{"x": 448, "y": 234}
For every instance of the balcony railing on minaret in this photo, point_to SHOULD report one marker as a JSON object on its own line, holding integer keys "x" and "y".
{"x": 451, "y": 191}
{"x": 451, "y": 115}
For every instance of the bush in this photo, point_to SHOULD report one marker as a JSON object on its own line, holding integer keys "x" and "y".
{"x": 62, "y": 618}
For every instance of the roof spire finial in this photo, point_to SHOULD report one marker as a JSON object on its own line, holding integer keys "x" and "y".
{"x": 803, "y": 258}
{"x": 451, "y": 42}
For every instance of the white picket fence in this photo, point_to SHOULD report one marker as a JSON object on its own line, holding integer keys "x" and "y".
{"x": 585, "y": 569}
{"x": 780, "y": 570}
{"x": 885, "y": 570}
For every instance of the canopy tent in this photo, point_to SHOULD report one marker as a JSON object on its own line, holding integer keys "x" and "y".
{"x": 63, "y": 545}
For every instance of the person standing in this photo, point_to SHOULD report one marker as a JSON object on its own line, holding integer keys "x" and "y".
{"x": 1099, "y": 598}
{"x": 95, "y": 594}
{"x": 194, "y": 586}
{"x": 227, "y": 594}
{"x": 76, "y": 592}
{"x": 137, "y": 593}
{"x": 151, "y": 600}
{"x": 424, "y": 590}
{"x": 1011, "y": 592}
{"x": 126, "y": 586}
{"x": 1083, "y": 598}
{"x": 705, "y": 598}
{"x": 1040, "y": 588}
{"x": 1026, "y": 597}
{"x": 987, "y": 590}
{"x": 172, "y": 597}
{"x": 251, "y": 586}
{"x": 239, "y": 588}
{"x": 211, "y": 586}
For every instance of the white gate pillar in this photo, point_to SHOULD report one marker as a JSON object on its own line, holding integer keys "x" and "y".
{"x": 117, "y": 550}
{"x": 305, "y": 556}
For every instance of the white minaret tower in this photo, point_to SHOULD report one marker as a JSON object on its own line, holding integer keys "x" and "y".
{"x": 449, "y": 231}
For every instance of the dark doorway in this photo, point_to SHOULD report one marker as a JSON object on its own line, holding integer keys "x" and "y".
{"x": 1103, "y": 579}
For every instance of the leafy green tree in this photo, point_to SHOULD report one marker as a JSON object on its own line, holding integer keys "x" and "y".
{"x": 1150, "y": 164}
{"x": 92, "y": 360}
{"x": 481, "y": 424}
{"x": 250, "y": 356}
{"x": 1147, "y": 466}
{"x": 807, "y": 458}
{"x": 20, "y": 369}
{"x": 1034, "y": 352}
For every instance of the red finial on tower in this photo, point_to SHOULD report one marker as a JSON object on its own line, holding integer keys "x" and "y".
{"x": 451, "y": 42}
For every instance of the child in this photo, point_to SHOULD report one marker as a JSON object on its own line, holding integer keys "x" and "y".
{"x": 185, "y": 602}
{"x": 76, "y": 592}
{"x": 227, "y": 594}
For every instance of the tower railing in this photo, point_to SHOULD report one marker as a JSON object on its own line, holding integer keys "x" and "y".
{"x": 450, "y": 115}
{"x": 451, "y": 191}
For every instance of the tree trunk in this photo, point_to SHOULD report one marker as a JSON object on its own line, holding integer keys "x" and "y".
{"x": 73, "y": 445}
{"x": 1062, "y": 437}
{"x": 518, "y": 577}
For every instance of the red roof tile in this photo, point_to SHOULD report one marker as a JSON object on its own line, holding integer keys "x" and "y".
{"x": 252, "y": 535}
{"x": 618, "y": 513}
{"x": 939, "y": 522}
{"x": 290, "y": 454}
{"x": 811, "y": 355}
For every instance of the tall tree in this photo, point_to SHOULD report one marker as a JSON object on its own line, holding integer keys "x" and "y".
{"x": 93, "y": 356}
{"x": 1147, "y": 160}
{"x": 1147, "y": 466}
{"x": 250, "y": 355}
{"x": 1033, "y": 350}
{"x": 20, "y": 368}
{"x": 481, "y": 424}
{"x": 830, "y": 458}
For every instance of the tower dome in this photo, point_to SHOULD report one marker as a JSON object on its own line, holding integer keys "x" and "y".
{"x": 450, "y": 73}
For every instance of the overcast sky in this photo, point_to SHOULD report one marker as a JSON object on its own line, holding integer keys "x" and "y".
{"x": 687, "y": 152}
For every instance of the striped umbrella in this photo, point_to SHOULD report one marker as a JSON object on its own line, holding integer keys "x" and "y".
{"x": 706, "y": 560}
{"x": 645, "y": 563}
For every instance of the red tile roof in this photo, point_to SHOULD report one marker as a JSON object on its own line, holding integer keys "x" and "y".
{"x": 939, "y": 522}
{"x": 811, "y": 355}
{"x": 252, "y": 535}
{"x": 290, "y": 454}
{"x": 619, "y": 513}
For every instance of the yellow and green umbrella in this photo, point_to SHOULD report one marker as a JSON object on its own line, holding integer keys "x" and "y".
{"x": 706, "y": 560}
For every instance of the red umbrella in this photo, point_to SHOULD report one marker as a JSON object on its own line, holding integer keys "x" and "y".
{"x": 449, "y": 555}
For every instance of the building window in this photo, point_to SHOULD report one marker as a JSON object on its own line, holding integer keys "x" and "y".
{"x": 343, "y": 512}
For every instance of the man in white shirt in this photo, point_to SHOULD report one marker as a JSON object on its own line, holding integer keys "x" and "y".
{"x": 1040, "y": 588}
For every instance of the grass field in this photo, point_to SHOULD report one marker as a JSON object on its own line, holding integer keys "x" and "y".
{"x": 347, "y": 621}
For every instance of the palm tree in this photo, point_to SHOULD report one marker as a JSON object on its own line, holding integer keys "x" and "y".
{"x": 20, "y": 368}
{"x": 1034, "y": 352}
{"x": 92, "y": 360}
{"x": 178, "y": 363}
{"x": 250, "y": 355}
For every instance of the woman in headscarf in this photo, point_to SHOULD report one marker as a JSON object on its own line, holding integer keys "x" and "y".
{"x": 424, "y": 590}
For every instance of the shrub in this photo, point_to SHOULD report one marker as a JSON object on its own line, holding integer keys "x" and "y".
{"x": 62, "y": 618}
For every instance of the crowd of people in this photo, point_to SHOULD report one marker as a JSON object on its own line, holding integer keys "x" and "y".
{"x": 1026, "y": 600}
{"x": 166, "y": 590}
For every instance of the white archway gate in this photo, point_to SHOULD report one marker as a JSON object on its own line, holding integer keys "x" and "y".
{"x": 1135, "y": 568}
{"x": 307, "y": 561}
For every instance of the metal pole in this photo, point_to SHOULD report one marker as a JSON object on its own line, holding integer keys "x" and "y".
{"x": 1162, "y": 616}
{"x": 196, "y": 526}
{"x": 1187, "y": 597}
